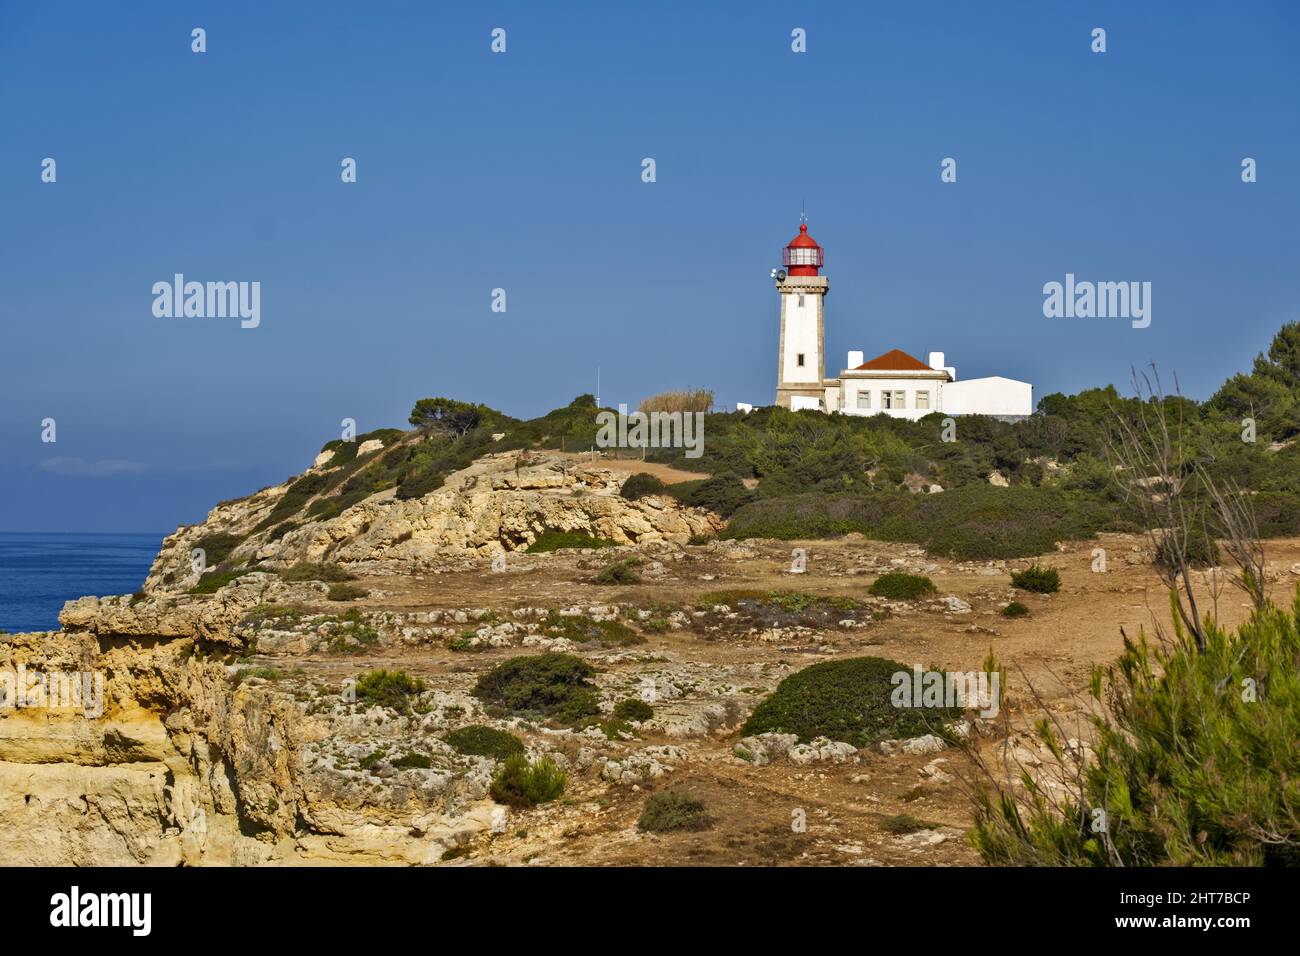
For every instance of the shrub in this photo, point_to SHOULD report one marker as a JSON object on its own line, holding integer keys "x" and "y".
{"x": 583, "y": 630}
{"x": 217, "y": 579}
{"x": 640, "y": 485}
{"x": 282, "y": 613}
{"x": 620, "y": 572}
{"x": 721, "y": 494}
{"x": 633, "y": 709}
{"x": 345, "y": 592}
{"x": 970, "y": 522}
{"x": 902, "y": 587}
{"x": 548, "y": 685}
{"x": 481, "y": 741}
{"x": 412, "y": 761}
{"x": 1200, "y": 550}
{"x": 904, "y": 823}
{"x": 671, "y": 810}
{"x": 1038, "y": 579}
{"x": 280, "y": 530}
{"x": 217, "y": 547}
{"x": 388, "y": 689}
{"x": 796, "y": 517}
{"x": 555, "y": 540}
{"x": 519, "y": 783}
{"x": 353, "y": 635}
{"x": 1189, "y": 768}
{"x": 846, "y": 700}
{"x": 682, "y": 400}
{"x": 312, "y": 571}
{"x": 466, "y": 642}
{"x": 1015, "y": 609}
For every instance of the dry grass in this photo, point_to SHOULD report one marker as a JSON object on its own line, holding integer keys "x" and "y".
{"x": 687, "y": 400}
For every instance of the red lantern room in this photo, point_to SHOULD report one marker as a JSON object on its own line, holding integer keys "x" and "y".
{"x": 803, "y": 257}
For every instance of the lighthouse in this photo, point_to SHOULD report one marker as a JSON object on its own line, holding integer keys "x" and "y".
{"x": 802, "y": 356}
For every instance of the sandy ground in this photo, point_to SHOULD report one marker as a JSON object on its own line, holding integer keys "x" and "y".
{"x": 845, "y": 805}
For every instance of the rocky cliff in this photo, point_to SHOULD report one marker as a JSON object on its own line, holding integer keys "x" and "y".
{"x": 230, "y": 733}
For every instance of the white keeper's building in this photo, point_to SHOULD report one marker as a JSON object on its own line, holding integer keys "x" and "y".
{"x": 894, "y": 383}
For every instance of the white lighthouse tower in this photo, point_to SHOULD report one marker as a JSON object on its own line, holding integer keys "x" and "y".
{"x": 802, "y": 357}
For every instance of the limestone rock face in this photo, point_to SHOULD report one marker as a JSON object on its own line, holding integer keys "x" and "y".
{"x": 497, "y": 504}
{"x": 176, "y": 764}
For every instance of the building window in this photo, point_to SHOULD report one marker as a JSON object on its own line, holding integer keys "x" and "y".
{"x": 900, "y": 400}
{"x": 922, "y": 399}
{"x": 798, "y": 360}
{"x": 864, "y": 399}
{"x": 886, "y": 399}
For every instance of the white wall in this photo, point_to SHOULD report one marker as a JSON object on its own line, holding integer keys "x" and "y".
{"x": 988, "y": 396}
{"x": 801, "y": 336}
{"x": 851, "y": 387}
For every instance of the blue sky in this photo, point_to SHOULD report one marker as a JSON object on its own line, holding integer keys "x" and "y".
{"x": 522, "y": 171}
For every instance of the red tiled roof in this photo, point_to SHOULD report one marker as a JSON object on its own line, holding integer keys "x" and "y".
{"x": 895, "y": 360}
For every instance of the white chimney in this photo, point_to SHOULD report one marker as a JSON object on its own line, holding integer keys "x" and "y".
{"x": 855, "y": 359}
{"x": 936, "y": 360}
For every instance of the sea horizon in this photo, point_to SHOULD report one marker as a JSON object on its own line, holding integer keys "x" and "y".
{"x": 40, "y": 571}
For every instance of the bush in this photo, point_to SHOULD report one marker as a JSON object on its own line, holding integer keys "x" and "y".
{"x": 412, "y": 761}
{"x": 583, "y": 630}
{"x": 353, "y": 636}
{"x": 345, "y": 592}
{"x": 904, "y": 823}
{"x": 968, "y": 523}
{"x": 1194, "y": 760}
{"x": 846, "y": 700}
{"x": 547, "y": 685}
{"x": 388, "y": 689}
{"x": 1037, "y": 579}
{"x": 722, "y": 494}
{"x": 555, "y": 540}
{"x": 671, "y": 810}
{"x": 620, "y": 572}
{"x": 311, "y": 571}
{"x": 633, "y": 709}
{"x": 522, "y": 784}
{"x": 1015, "y": 609}
{"x": 280, "y": 530}
{"x": 682, "y": 400}
{"x": 798, "y": 517}
{"x": 1200, "y": 550}
{"x": 217, "y": 547}
{"x": 480, "y": 741}
{"x": 902, "y": 587}
{"x": 640, "y": 485}
{"x": 215, "y": 580}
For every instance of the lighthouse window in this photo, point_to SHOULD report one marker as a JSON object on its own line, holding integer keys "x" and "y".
{"x": 801, "y": 300}
{"x": 799, "y": 360}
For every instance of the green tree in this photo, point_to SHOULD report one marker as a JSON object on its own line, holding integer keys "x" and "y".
{"x": 448, "y": 417}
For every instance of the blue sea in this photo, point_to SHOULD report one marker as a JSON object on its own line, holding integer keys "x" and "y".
{"x": 38, "y": 572}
